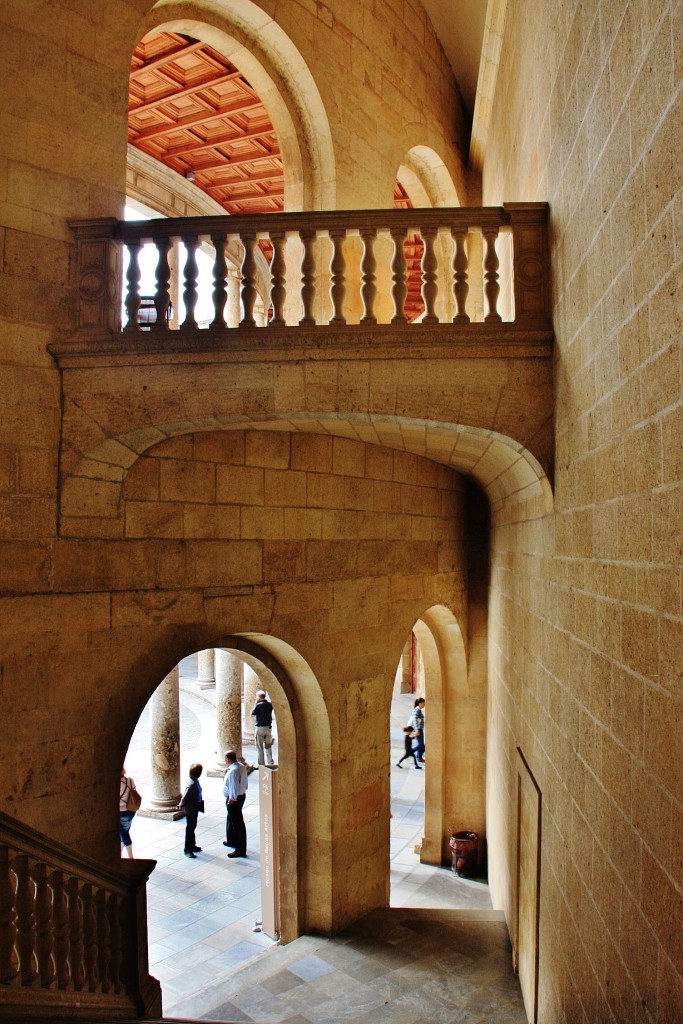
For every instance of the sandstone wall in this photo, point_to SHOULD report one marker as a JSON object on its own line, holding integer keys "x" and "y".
{"x": 586, "y": 636}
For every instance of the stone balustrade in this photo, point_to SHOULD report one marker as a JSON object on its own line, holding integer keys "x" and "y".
{"x": 315, "y": 276}
{"x": 73, "y": 934}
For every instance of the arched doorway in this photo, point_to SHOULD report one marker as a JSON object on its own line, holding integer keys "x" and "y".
{"x": 207, "y": 908}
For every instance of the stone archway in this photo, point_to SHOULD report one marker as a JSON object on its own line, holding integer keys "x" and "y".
{"x": 268, "y": 58}
{"x": 455, "y": 782}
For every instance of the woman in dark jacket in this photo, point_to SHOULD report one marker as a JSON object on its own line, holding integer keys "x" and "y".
{"x": 192, "y": 802}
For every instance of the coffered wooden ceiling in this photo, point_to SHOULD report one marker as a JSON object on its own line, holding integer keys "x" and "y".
{"x": 192, "y": 110}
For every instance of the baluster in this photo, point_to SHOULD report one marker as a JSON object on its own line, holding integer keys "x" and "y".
{"x": 133, "y": 275}
{"x": 308, "y": 236}
{"x": 278, "y": 268}
{"x": 75, "y": 935}
{"x": 9, "y": 963}
{"x": 191, "y": 272}
{"x": 491, "y": 286}
{"x": 429, "y": 268}
{"x": 90, "y": 937}
{"x": 460, "y": 284}
{"x": 220, "y": 289}
{"x": 44, "y": 926}
{"x": 60, "y": 919}
{"x": 103, "y": 941}
{"x": 115, "y": 942}
{"x": 399, "y": 268}
{"x": 26, "y": 921}
{"x": 337, "y": 275}
{"x": 368, "y": 289}
{"x": 162, "y": 296}
{"x": 248, "y": 281}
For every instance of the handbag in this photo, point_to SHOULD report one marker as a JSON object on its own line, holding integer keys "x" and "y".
{"x": 200, "y": 806}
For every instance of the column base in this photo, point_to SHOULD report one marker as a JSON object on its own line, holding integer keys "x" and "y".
{"x": 164, "y": 810}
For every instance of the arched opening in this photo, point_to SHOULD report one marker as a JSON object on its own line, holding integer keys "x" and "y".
{"x": 208, "y": 907}
{"x": 448, "y": 795}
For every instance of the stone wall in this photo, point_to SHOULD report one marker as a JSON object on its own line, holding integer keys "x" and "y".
{"x": 586, "y": 606}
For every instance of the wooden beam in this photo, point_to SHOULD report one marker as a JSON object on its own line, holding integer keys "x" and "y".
{"x": 166, "y": 58}
{"x": 194, "y": 120}
{"x": 187, "y": 91}
{"x": 276, "y": 175}
{"x": 187, "y": 148}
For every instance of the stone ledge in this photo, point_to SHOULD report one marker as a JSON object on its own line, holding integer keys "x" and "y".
{"x": 270, "y": 344}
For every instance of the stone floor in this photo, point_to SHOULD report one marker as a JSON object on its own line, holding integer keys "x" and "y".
{"x": 440, "y": 954}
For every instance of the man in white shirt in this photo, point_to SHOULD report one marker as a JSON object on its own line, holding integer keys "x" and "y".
{"x": 235, "y": 786}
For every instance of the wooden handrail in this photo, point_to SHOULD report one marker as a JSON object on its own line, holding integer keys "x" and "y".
{"x": 73, "y": 932}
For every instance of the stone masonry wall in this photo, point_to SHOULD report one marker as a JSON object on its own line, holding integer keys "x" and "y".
{"x": 585, "y": 665}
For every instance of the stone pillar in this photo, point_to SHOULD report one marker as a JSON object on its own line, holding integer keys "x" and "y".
{"x": 206, "y": 678}
{"x": 407, "y": 666}
{"x": 164, "y": 738}
{"x": 228, "y": 708}
{"x": 252, "y": 683}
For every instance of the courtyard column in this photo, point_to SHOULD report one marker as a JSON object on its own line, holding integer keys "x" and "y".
{"x": 164, "y": 714}
{"x": 251, "y": 685}
{"x": 228, "y": 707}
{"x": 407, "y": 665}
{"x": 205, "y": 669}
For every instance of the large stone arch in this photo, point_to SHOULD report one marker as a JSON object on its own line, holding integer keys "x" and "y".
{"x": 262, "y": 50}
{"x": 513, "y": 479}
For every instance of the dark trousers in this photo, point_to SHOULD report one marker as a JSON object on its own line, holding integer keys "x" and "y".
{"x": 235, "y": 829}
{"x": 190, "y": 826}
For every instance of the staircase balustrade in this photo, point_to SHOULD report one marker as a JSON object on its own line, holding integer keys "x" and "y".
{"x": 310, "y": 285}
{"x": 73, "y": 934}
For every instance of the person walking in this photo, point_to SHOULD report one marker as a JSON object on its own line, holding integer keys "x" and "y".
{"x": 263, "y": 729}
{"x": 235, "y": 786}
{"x": 192, "y": 803}
{"x": 417, "y": 722}
{"x": 126, "y": 814}
{"x": 408, "y": 737}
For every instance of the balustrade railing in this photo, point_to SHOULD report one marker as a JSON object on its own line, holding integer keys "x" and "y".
{"x": 73, "y": 935}
{"x": 301, "y": 268}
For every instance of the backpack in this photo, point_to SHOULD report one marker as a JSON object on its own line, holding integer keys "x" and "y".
{"x": 134, "y": 801}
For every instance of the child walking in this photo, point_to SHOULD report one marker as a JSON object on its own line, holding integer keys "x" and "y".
{"x": 408, "y": 738}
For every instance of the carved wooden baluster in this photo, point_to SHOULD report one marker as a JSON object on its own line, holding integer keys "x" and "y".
{"x": 460, "y": 284}
{"x": 60, "y": 917}
{"x": 90, "y": 937}
{"x": 133, "y": 290}
{"x": 491, "y": 286}
{"x": 9, "y": 962}
{"x": 162, "y": 296}
{"x": 429, "y": 267}
{"x": 44, "y": 926}
{"x": 191, "y": 272}
{"x": 278, "y": 268}
{"x": 75, "y": 935}
{"x": 308, "y": 236}
{"x": 368, "y": 266}
{"x": 26, "y": 920}
{"x": 248, "y": 281}
{"x": 399, "y": 269}
{"x": 115, "y": 942}
{"x": 337, "y": 275}
{"x": 103, "y": 941}
{"x": 220, "y": 288}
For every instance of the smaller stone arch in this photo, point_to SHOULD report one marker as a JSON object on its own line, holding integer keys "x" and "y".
{"x": 304, "y": 778}
{"x": 455, "y": 782}
{"x": 427, "y": 180}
